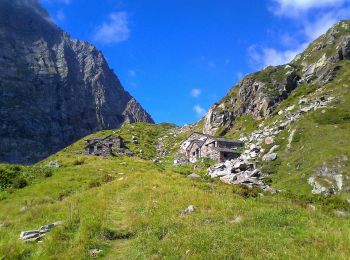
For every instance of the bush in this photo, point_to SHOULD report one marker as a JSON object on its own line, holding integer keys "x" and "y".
{"x": 94, "y": 184}
{"x": 20, "y": 183}
{"x": 108, "y": 178}
{"x": 246, "y": 192}
{"x": 79, "y": 161}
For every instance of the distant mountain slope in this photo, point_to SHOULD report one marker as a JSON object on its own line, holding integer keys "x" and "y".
{"x": 53, "y": 89}
{"x": 258, "y": 94}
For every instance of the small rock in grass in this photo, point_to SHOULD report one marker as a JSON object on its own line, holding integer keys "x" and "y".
{"x": 94, "y": 252}
{"x": 269, "y": 157}
{"x": 290, "y": 108}
{"x": 341, "y": 214}
{"x": 193, "y": 176}
{"x": 188, "y": 210}
{"x": 274, "y": 148}
{"x": 269, "y": 140}
{"x": 236, "y": 219}
{"x": 311, "y": 207}
{"x": 53, "y": 164}
{"x": 23, "y": 209}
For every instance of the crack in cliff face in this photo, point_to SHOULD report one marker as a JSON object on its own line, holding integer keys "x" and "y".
{"x": 54, "y": 89}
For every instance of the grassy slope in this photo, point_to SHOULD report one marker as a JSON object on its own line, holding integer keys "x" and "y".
{"x": 131, "y": 207}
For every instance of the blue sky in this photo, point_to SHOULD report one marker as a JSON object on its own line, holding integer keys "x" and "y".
{"x": 178, "y": 57}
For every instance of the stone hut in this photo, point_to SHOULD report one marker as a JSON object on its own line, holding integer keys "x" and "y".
{"x": 106, "y": 145}
{"x": 205, "y": 146}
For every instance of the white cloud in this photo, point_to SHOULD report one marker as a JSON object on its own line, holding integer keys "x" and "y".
{"x": 313, "y": 17}
{"x": 262, "y": 57}
{"x": 114, "y": 30}
{"x": 200, "y": 111}
{"x": 196, "y": 92}
{"x": 132, "y": 73}
{"x": 298, "y": 7}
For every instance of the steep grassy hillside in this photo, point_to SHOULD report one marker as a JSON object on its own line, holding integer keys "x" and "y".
{"x": 130, "y": 208}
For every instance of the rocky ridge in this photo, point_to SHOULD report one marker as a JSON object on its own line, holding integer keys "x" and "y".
{"x": 259, "y": 93}
{"x": 53, "y": 89}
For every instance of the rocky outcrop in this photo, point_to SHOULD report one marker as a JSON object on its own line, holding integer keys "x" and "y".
{"x": 259, "y": 93}
{"x": 53, "y": 89}
{"x": 246, "y": 168}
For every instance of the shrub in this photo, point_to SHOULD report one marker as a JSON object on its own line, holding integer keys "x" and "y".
{"x": 20, "y": 183}
{"x": 79, "y": 161}
{"x": 108, "y": 178}
{"x": 94, "y": 184}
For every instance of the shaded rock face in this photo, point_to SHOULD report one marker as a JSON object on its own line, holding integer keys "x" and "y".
{"x": 53, "y": 89}
{"x": 259, "y": 93}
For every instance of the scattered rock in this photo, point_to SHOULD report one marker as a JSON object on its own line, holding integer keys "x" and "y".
{"x": 134, "y": 139}
{"x": 53, "y": 164}
{"x": 302, "y": 101}
{"x": 156, "y": 160}
{"x": 193, "y": 176}
{"x": 317, "y": 188}
{"x": 290, "y": 138}
{"x": 341, "y": 214}
{"x": 290, "y": 108}
{"x": 269, "y": 157}
{"x": 269, "y": 140}
{"x": 190, "y": 209}
{"x": 23, "y": 209}
{"x": 274, "y": 148}
{"x": 36, "y": 235}
{"x": 311, "y": 207}
{"x": 180, "y": 161}
{"x": 236, "y": 219}
{"x": 94, "y": 252}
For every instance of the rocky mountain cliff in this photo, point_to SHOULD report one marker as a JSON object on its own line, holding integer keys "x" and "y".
{"x": 259, "y": 93}
{"x": 53, "y": 89}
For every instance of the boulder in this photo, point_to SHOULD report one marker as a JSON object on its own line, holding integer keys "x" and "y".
{"x": 220, "y": 170}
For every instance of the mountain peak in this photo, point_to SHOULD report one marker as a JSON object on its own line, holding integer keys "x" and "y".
{"x": 54, "y": 89}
